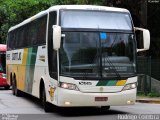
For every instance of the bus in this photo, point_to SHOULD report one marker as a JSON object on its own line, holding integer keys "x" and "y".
{"x": 76, "y": 55}
{"x": 3, "y": 80}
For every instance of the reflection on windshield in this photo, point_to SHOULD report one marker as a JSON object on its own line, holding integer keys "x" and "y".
{"x": 103, "y": 19}
{"x": 95, "y": 54}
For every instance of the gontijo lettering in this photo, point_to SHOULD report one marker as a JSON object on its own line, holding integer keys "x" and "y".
{"x": 16, "y": 56}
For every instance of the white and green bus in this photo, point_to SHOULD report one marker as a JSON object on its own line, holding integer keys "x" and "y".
{"x": 75, "y": 55}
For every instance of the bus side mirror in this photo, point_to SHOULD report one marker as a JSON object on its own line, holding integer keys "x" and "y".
{"x": 146, "y": 39}
{"x": 56, "y": 37}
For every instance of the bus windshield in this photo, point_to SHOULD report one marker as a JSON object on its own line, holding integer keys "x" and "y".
{"x": 97, "y": 55}
{"x": 2, "y": 62}
{"x": 95, "y": 19}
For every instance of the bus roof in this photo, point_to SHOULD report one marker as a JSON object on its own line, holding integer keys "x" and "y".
{"x": 3, "y": 47}
{"x": 88, "y": 7}
{"x": 71, "y": 7}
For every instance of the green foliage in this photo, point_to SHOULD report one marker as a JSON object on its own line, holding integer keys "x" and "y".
{"x": 153, "y": 94}
{"x": 150, "y": 94}
{"x": 141, "y": 94}
{"x": 66, "y": 2}
{"x": 13, "y": 12}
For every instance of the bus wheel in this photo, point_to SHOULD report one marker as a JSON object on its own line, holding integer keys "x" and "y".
{"x": 13, "y": 87}
{"x": 104, "y": 108}
{"x": 15, "y": 91}
{"x": 46, "y": 105}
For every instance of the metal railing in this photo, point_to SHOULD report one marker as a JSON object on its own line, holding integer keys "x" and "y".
{"x": 144, "y": 74}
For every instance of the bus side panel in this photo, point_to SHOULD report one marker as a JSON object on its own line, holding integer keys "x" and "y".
{"x": 14, "y": 63}
{"x": 22, "y": 64}
{"x": 11, "y": 69}
{"x": 22, "y": 71}
{"x": 30, "y": 68}
{"x": 40, "y": 70}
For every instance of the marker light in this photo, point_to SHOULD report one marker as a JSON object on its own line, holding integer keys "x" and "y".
{"x": 129, "y": 102}
{"x": 67, "y": 103}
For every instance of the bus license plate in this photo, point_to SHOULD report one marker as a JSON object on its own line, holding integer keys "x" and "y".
{"x": 101, "y": 98}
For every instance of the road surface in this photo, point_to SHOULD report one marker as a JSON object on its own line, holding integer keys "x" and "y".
{"x": 29, "y": 108}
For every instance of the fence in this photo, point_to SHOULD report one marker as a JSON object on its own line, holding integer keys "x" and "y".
{"x": 144, "y": 74}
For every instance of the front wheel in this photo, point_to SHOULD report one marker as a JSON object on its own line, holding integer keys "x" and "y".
{"x": 45, "y": 104}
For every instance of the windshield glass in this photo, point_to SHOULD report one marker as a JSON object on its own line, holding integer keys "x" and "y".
{"x": 97, "y": 55}
{"x": 95, "y": 19}
{"x": 2, "y": 62}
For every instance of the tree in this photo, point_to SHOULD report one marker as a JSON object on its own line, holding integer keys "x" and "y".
{"x": 13, "y": 12}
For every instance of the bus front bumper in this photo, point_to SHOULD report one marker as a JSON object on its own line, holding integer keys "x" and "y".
{"x": 72, "y": 98}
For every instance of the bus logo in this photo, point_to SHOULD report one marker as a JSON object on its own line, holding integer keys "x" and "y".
{"x": 101, "y": 89}
{"x": 85, "y": 83}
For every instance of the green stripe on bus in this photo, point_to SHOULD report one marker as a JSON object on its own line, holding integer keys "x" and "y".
{"x": 32, "y": 53}
{"x": 112, "y": 83}
{"x": 107, "y": 83}
{"x": 30, "y": 68}
{"x": 102, "y": 83}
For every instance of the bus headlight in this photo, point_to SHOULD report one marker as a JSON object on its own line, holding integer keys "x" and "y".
{"x": 69, "y": 86}
{"x": 130, "y": 86}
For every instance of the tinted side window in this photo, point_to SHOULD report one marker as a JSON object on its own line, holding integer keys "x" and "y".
{"x": 31, "y": 34}
{"x": 21, "y": 37}
{"x": 13, "y": 39}
{"x": 52, "y": 55}
{"x": 9, "y": 41}
{"x": 41, "y": 30}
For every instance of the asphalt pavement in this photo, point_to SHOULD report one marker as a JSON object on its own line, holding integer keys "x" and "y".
{"x": 29, "y": 108}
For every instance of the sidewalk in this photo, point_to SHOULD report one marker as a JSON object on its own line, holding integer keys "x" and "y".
{"x": 144, "y": 99}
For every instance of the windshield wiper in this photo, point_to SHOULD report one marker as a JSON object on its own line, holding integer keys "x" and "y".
{"x": 113, "y": 67}
{"x": 108, "y": 60}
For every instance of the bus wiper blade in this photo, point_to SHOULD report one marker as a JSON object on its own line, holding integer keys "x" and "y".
{"x": 112, "y": 66}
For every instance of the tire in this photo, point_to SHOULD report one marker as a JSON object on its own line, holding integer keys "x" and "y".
{"x": 104, "y": 108}
{"x": 15, "y": 91}
{"x": 7, "y": 87}
{"x": 13, "y": 87}
{"x": 45, "y": 104}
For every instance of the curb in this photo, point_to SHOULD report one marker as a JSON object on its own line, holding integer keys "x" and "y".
{"x": 149, "y": 101}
